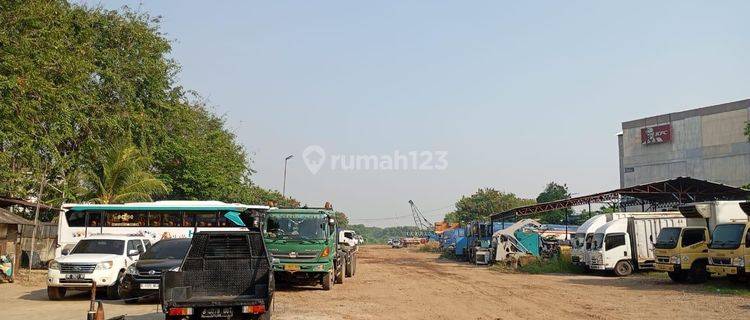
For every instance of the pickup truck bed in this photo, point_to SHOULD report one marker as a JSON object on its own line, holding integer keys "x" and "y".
{"x": 222, "y": 273}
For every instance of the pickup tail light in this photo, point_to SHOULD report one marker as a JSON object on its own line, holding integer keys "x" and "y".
{"x": 181, "y": 311}
{"x": 325, "y": 252}
{"x": 255, "y": 309}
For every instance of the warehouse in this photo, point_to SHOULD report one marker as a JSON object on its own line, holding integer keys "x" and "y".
{"x": 707, "y": 143}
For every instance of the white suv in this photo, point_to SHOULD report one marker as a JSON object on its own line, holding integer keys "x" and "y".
{"x": 100, "y": 258}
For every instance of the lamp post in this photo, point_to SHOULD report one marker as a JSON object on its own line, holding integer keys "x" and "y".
{"x": 283, "y": 188}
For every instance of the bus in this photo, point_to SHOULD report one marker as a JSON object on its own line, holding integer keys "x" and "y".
{"x": 154, "y": 220}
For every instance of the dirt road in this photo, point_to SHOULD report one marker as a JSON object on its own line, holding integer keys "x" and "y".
{"x": 405, "y": 284}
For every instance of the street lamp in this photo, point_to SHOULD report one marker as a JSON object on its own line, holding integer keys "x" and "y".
{"x": 283, "y": 189}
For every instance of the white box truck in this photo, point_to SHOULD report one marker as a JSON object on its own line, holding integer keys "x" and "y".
{"x": 626, "y": 244}
{"x": 585, "y": 234}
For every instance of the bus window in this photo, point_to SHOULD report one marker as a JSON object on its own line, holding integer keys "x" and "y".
{"x": 205, "y": 219}
{"x": 76, "y": 218}
{"x": 94, "y": 219}
{"x": 222, "y": 221}
{"x": 126, "y": 219}
{"x": 188, "y": 219}
{"x": 154, "y": 219}
{"x": 171, "y": 219}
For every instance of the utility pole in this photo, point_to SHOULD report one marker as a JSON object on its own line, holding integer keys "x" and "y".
{"x": 283, "y": 188}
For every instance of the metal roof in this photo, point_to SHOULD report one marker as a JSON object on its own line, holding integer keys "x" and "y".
{"x": 675, "y": 191}
{"x": 8, "y": 202}
{"x": 7, "y": 217}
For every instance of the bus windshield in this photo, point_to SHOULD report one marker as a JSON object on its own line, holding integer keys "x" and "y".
{"x": 667, "y": 238}
{"x": 727, "y": 236}
{"x": 296, "y": 227}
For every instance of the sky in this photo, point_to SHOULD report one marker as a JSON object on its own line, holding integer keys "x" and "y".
{"x": 500, "y": 94}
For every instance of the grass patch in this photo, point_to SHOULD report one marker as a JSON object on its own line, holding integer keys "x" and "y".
{"x": 430, "y": 247}
{"x": 724, "y": 286}
{"x": 559, "y": 264}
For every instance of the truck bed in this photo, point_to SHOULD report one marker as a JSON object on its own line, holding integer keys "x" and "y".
{"x": 221, "y": 269}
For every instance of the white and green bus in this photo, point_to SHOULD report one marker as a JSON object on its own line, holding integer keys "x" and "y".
{"x": 155, "y": 220}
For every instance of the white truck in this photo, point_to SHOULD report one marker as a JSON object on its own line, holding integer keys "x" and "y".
{"x": 100, "y": 259}
{"x": 626, "y": 244}
{"x": 585, "y": 235}
{"x": 349, "y": 243}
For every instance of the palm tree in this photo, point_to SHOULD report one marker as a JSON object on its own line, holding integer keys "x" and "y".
{"x": 123, "y": 176}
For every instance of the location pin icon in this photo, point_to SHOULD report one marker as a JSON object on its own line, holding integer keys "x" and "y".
{"x": 314, "y": 157}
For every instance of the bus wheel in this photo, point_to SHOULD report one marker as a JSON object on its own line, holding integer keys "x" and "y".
{"x": 698, "y": 272}
{"x": 623, "y": 268}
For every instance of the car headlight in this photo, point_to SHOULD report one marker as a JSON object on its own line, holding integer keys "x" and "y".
{"x": 132, "y": 270}
{"x": 54, "y": 265}
{"x": 674, "y": 260}
{"x": 738, "y": 262}
{"x": 106, "y": 265}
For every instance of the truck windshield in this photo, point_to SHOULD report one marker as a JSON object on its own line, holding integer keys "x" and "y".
{"x": 580, "y": 240}
{"x": 598, "y": 241}
{"x": 727, "y": 236}
{"x": 296, "y": 227}
{"x": 99, "y": 246}
{"x": 668, "y": 238}
{"x": 589, "y": 240}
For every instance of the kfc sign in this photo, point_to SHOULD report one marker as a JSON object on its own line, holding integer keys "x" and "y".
{"x": 656, "y": 134}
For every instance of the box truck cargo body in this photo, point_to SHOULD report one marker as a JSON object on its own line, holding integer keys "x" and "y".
{"x": 626, "y": 244}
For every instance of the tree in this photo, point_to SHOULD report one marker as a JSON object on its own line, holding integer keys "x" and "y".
{"x": 483, "y": 203}
{"x": 123, "y": 176}
{"x": 553, "y": 192}
{"x": 341, "y": 219}
{"x": 747, "y": 130}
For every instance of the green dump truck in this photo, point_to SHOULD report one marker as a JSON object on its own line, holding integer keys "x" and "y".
{"x": 304, "y": 245}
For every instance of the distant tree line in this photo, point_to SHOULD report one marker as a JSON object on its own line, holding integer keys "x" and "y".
{"x": 91, "y": 106}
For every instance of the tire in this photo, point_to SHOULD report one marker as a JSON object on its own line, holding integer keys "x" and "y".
{"x": 354, "y": 265}
{"x": 113, "y": 291}
{"x": 328, "y": 281}
{"x": 677, "y": 276}
{"x": 623, "y": 268}
{"x": 340, "y": 275}
{"x": 349, "y": 272}
{"x": 56, "y": 293}
{"x": 698, "y": 272}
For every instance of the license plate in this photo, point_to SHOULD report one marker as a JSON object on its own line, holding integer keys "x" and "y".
{"x": 75, "y": 276}
{"x": 722, "y": 270}
{"x": 216, "y": 313}
{"x": 291, "y": 267}
{"x": 664, "y": 267}
{"x": 150, "y": 286}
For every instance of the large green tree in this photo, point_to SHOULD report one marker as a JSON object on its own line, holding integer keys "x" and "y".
{"x": 483, "y": 203}
{"x": 72, "y": 77}
{"x": 553, "y": 192}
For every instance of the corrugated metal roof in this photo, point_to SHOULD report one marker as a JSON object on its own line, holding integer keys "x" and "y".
{"x": 10, "y": 218}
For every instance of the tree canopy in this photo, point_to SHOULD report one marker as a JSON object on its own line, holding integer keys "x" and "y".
{"x": 483, "y": 203}
{"x": 75, "y": 80}
{"x": 553, "y": 192}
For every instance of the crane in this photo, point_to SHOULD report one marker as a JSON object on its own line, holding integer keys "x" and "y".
{"x": 424, "y": 226}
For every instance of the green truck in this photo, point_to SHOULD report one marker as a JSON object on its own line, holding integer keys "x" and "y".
{"x": 305, "y": 247}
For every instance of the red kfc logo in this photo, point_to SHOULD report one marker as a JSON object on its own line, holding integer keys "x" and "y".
{"x": 656, "y": 134}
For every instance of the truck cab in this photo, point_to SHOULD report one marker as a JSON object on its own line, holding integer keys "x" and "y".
{"x": 683, "y": 252}
{"x": 304, "y": 245}
{"x": 584, "y": 237}
{"x": 729, "y": 249}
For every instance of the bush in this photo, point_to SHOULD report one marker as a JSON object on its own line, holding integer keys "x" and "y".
{"x": 558, "y": 264}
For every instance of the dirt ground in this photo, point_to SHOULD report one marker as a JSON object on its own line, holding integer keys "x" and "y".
{"x": 405, "y": 284}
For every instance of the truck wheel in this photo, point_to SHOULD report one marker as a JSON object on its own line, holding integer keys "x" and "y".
{"x": 623, "y": 269}
{"x": 677, "y": 276}
{"x": 698, "y": 272}
{"x": 340, "y": 276}
{"x": 56, "y": 293}
{"x": 354, "y": 265}
{"x": 327, "y": 281}
{"x": 349, "y": 267}
{"x": 113, "y": 291}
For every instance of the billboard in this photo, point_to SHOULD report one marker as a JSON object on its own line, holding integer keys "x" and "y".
{"x": 656, "y": 134}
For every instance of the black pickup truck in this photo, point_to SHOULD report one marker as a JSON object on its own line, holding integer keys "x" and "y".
{"x": 225, "y": 275}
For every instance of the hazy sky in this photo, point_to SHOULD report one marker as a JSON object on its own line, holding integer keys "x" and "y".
{"x": 517, "y": 94}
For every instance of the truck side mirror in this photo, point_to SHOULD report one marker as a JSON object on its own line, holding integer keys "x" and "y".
{"x": 65, "y": 252}
{"x": 651, "y": 238}
{"x": 132, "y": 253}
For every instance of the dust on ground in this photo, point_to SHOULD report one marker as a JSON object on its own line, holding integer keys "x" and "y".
{"x": 406, "y": 284}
